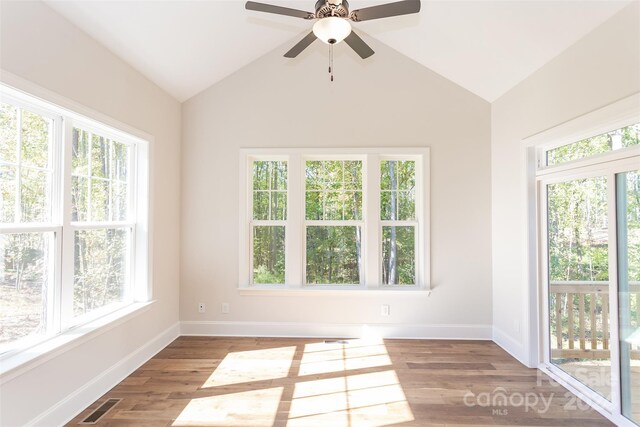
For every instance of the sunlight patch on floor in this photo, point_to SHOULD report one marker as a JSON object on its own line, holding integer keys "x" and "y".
{"x": 368, "y": 399}
{"x": 321, "y": 358}
{"x": 255, "y": 365}
{"x": 374, "y": 399}
{"x": 250, "y": 408}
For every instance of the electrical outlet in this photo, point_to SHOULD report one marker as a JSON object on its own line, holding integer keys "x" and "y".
{"x": 201, "y": 307}
{"x": 385, "y": 310}
{"x": 225, "y": 308}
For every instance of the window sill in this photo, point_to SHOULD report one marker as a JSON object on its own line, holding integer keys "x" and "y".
{"x": 19, "y": 361}
{"x": 332, "y": 291}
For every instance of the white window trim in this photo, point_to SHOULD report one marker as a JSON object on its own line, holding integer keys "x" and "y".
{"x": 65, "y": 111}
{"x": 295, "y": 235}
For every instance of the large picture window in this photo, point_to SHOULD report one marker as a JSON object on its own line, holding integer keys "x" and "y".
{"x": 334, "y": 219}
{"x": 70, "y": 235}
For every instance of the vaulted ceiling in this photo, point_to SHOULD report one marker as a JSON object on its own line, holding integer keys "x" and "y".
{"x": 485, "y": 46}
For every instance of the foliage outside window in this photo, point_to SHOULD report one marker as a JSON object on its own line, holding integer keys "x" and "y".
{"x": 269, "y": 221}
{"x": 99, "y": 195}
{"x": 68, "y": 220}
{"x": 614, "y": 140}
{"x": 398, "y": 212}
{"x": 333, "y": 213}
{"x": 26, "y": 169}
{"x": 342, "y": 219}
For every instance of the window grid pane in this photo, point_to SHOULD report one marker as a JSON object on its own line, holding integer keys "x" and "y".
{"x": 268, "y": 255}
{"x": 398, "y": 255}
{"x": 397, "y": 190}
{"x": 269, "y": 190}
{"x": 25, "y": 278}
{"x": 333, "y": 190}
{"x": 101, "y": 266}
{"x": 333, "y": 255}
{"x": 35, "y": 141}
{"x": 100, "y": 178}
{"x": 25, "y": 169}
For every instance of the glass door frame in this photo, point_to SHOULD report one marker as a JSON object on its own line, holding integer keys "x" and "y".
{"x": 608, "y": 167}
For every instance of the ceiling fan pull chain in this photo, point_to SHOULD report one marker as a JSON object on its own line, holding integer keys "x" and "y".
{"x": 331, "y": 61}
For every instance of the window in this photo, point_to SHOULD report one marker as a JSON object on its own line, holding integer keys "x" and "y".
{"x": 73, "y": 203}
{"x": 334, "y": 219}
{"x": 398, "y": 214}
{"x": 617, "y": 139}
{"x": 269, "y": 215}
{"x": 101, "y": 228}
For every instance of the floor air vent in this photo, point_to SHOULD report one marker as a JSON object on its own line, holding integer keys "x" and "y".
{"x": 336, "y": 342}
{"x": 102, "y": 410}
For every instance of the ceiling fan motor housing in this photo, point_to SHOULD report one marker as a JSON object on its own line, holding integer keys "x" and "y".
{"x": 337, "y": 8}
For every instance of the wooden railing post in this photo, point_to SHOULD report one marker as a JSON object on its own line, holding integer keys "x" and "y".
{"x": 558, "y": 320}
{"x": 592, "y": 318}
{"x": 570, "y": 319}
{"x": 581, "y": 320}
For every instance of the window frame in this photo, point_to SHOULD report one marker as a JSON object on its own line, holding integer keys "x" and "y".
{"x": 60, "y": 297}
{"x": 371, "y": 223}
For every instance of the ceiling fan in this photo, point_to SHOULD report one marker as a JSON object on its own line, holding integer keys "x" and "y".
{"x": 333, "y": 21}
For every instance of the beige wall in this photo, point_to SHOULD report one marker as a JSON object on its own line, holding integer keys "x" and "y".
{"x": 599, "y": 69}
{"x": 387, "y": 100}
{"x": 38, "y": 45}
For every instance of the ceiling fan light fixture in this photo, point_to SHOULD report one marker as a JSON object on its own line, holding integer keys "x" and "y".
{"x": 332, "y": 30}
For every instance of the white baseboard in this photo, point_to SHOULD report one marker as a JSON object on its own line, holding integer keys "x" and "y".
{"x": 334, "y": 330}
{"x": 509, "y": 345}
{"x": 62, "y": 412}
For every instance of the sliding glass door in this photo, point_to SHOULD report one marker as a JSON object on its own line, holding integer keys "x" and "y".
{"x": 628, "y": 258}
{"x": 578, "y": 285}
{"x": 591, "y": 251}
{"x": 587, "y": 172}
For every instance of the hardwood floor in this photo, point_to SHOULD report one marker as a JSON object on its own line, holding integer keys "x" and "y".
{"x": 207, "y": 381}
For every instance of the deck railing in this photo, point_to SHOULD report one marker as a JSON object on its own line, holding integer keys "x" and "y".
{"x": 582, "y": 308}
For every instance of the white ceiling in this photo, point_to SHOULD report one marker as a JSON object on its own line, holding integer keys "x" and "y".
{"x": 486, "y": 46}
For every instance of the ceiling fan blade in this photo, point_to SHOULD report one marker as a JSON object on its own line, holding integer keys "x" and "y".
{"x": 385, "y": 10}
{"x": 301, "y": 45}
{"x": 357, "y": 44}
{"x": 269, "y": 8}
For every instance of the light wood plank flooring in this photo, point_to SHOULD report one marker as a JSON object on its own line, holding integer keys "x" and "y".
{"x": 207, "y": 381}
